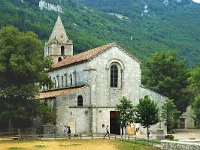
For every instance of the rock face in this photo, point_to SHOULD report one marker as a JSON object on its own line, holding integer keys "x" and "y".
{"x": 171, "y": 145}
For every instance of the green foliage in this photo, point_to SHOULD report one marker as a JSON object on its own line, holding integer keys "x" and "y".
{"x": 124, "y": 145}
{"x": 21, "y": 72}
{"x": 194, "y": 80}
{"x": 162, "y": 28}
{"x": 170, "y": 114}
{"x": 166, "y": 74}
{"x": 21, "y": 64}
{"x": 146, "y": 113}
{"x": 126, "y": 112}
{"x": 196, "y": 109}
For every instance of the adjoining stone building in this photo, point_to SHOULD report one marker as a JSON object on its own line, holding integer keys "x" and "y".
{"x": 90, "y": 84}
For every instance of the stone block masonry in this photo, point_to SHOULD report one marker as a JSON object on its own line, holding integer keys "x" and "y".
{"x": 172, "y": 145}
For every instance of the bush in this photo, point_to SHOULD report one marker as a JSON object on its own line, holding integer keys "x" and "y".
{"x": 169, "y": 136}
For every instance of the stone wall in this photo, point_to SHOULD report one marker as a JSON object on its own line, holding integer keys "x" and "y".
{"x": 171, "y": 145}
{"x": 67, "y": 112}
{"x": 158, "y": 98}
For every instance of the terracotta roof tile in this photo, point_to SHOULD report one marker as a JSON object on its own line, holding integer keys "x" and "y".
{"x": 82, "y": 56}
{"x": 54, "y": 93}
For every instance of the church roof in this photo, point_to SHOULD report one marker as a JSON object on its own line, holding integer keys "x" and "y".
{"x": 56, "y": 92}
{"x": 58, "y": 34}
{"x": 84, "y": 56}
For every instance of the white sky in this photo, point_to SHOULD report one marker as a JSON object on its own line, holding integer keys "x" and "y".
{"x": 198, "y": 1}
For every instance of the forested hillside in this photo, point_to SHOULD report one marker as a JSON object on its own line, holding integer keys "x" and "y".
{"x": 142, "y": 27}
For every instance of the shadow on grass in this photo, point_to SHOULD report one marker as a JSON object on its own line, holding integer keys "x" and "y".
{"x": 16, "y": 148}
{"x": 40, "y": 146}
{"x": 70, "y": 145}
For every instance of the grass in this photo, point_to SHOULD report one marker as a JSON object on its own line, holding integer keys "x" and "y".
{"x": 85, "y": 144}
{"x": 40, "y": 146}
{"x": 16, "y": 148}
{"x": 125, "y": 145}
{"x": 70, "y": 145}
{"x": 146, "y": 142}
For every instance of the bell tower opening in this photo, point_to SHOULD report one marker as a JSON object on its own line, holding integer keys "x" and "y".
{"x": 59, "y": 59}
{"x": 62, "y": 50}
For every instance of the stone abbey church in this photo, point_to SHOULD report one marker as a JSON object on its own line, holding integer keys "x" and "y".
{"x": 90, "y": 84}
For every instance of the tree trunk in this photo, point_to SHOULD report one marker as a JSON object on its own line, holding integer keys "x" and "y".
{"x": 10, "y": 125}
{"x": 147, "y": 133}
{"x": 125, "y": 132}
{"x": 121, "y": 132}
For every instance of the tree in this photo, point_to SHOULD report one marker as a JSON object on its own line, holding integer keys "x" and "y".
{"x": 21, "y": 73}
{"x": 196, "y": 109}
{"x": 146, "y": 113}
{"x": 194, "y": 81}
{"x": 194, "y": 88}
{"x": 166, "y": 74}
{"x": 170, "y": 114}
{"x": 126, "y": 112}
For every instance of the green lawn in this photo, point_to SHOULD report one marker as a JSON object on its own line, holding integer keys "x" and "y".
{"x": 83, "y": 144}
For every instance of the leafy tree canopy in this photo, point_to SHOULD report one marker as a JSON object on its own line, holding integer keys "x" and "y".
{"x": 146, "y": 113}
{"x": 21, "y": 73}
{"x": 21, "y": 64}
{"x": 126, "y": 112}
{"x": 196, "y": 109}
{"x": 170, "y": 114}
{"x": 166, "y": 74}
{"x": 162, "y": 28}
{"x": 194, "y": 80}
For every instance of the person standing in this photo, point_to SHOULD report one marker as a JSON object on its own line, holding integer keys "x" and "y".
{"x": 107, "y": 132}
{"x": 65, "y": 130}
{"x": 69, "y": 132}
{"x": 20, "y": 135}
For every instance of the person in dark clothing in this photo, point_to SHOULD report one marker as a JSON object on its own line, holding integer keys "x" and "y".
{"x": 20, "y": 135}
{"x": 107, "y": 132}
{"x": 69, "y": 132}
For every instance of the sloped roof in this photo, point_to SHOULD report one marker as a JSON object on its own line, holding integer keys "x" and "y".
{"x": 84, "y": 56}
{"x": 58, "y": 34}
{"x": 56, "y": 92}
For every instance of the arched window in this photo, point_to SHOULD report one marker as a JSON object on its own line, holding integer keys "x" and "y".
{"x": 59, "y": 59}
{"x": 62, "y": 81}
{"x": 70, "y": 77}
{"x": 80, "y": 100}
{"x": 113, "y": 76}
{"x": 54, "y": 81}
{"x": 58, "y": 82}
{"x": 66, "y": 80}
{"x": 62, "y": 50}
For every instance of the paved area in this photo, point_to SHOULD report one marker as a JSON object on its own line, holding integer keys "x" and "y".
{"x": 181, "y": 134}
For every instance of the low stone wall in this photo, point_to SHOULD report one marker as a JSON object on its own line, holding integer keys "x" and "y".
{"x": 190, "y": 141}
{"x": 172, "y": 145}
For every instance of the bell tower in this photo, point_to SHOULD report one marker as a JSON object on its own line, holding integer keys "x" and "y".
{"x": 58, "y": 46}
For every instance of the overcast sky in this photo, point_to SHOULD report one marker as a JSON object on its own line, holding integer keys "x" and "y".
{"x": 198, "y": 1}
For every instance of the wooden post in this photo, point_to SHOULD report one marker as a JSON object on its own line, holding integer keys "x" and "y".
{"x": 135, "y": 140}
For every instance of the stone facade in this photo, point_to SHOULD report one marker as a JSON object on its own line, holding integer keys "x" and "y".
{"x": 90, "y": 84}
{"x": 58, "y": 46}
{"x": 186, "y": 119}
{"x": 172, "y": 145}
